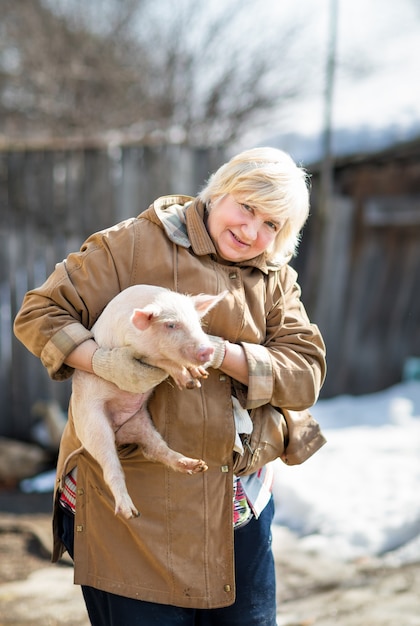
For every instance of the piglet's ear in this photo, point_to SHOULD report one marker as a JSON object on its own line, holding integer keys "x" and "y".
{"x": 143, "y": 318}
{"x": 203, "y": 302}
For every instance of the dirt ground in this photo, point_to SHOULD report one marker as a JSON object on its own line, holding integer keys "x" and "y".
{"x": 33, "y": 591}
{"x": 312, "y": 590}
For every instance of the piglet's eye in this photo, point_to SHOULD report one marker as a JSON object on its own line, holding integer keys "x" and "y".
{"x": 170, "y": 325}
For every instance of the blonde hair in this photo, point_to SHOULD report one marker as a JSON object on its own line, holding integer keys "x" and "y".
{"x": 270, "y": 181}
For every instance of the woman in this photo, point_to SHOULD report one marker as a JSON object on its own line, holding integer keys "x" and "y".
{"x": 191, "y": 557}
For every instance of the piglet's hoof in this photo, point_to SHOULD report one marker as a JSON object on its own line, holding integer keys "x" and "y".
{"x": 126, "y": 508}
{"x": 191, "y": 466}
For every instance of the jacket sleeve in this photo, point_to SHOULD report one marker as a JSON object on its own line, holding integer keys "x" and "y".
{"x": 57, "y": 316}
{"x": 289, "y": 368}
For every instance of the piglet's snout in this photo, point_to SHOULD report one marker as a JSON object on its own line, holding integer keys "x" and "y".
{"x": 205, "y": 353}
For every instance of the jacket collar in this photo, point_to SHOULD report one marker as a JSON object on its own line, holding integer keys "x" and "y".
{"x": 183, "y": 219}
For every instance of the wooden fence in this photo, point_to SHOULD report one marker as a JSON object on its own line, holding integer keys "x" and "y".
{"x": 366, "y": 300}
{"x": 50, "y": 201}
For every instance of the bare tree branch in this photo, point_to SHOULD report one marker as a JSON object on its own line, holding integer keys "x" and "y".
{"x": 74, "y": 66}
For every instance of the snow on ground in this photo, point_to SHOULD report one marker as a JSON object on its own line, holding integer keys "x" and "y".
{"x": 358, "y": 496}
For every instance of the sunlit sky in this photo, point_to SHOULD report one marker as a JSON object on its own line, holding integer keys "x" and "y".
{"x": 380, "y": 36}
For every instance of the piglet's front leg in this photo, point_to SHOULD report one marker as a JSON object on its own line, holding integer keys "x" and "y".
{"x": 187, "y": 378}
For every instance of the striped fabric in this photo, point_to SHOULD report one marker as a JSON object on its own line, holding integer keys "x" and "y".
{"x": 258, "y": 488}
{"x": 242, "y": 512}
{"x": 68, "y": 495}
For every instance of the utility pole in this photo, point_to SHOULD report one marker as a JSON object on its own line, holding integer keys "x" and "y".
{"x": 327, "y": 167}
{"x": 334, "y": 217}
{"x": 317, "y": 263}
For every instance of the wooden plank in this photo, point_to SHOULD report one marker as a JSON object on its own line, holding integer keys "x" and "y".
{"x": 392, "y": 211}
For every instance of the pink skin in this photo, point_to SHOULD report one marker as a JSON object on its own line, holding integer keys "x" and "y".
{"x": 240, "y": 232}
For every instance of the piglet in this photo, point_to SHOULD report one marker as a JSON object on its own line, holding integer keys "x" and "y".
{"x": 164, "y": 328}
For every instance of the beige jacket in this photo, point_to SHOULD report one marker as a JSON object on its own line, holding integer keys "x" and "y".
{"x": 180, "y": 550}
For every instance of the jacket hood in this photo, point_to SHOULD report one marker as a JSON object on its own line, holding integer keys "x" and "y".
{"x": 171, "y": 212}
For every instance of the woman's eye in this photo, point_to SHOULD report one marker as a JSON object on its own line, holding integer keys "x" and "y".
{"x": 273, "y": 226}
{"x": 247, "y": 207}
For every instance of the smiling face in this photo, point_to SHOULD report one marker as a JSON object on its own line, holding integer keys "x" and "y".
{"x": 240, "y": 232}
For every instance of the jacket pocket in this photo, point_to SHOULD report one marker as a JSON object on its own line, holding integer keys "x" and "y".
{"x": 292, "y": 436}
{"x": 268, "y": 440}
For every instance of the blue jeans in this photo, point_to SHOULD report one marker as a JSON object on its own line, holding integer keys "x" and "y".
{"x": 255, "y": 603}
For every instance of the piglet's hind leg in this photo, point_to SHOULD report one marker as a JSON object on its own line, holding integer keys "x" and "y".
{"x": 100, "y": 443}
{"x": 140, "y": 429}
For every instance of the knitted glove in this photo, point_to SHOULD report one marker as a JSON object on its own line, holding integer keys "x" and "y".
{"x": 219, "y": 346}
{"x": 121, "y": 367}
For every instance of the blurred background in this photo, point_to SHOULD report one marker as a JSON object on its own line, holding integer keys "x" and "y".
{"x": 107, "y": 104}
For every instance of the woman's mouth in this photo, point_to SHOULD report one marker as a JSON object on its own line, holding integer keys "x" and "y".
{"x": 238, "y": 240}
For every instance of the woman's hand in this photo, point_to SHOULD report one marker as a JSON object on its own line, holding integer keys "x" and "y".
{"x": 121, "y": 367}
{"x": 230, "y": 358}
{"x": 118, "y": 365}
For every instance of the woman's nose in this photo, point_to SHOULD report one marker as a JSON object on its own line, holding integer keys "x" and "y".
{"x": 251, "y": 227}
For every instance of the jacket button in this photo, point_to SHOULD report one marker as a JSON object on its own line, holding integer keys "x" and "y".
{"x": 233, "y": 275}
{"x": 227, "y": 588}
{"x": 80, "y": 492}
{"x": 79, "y": 528}
{"x": 224, "y": 469}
